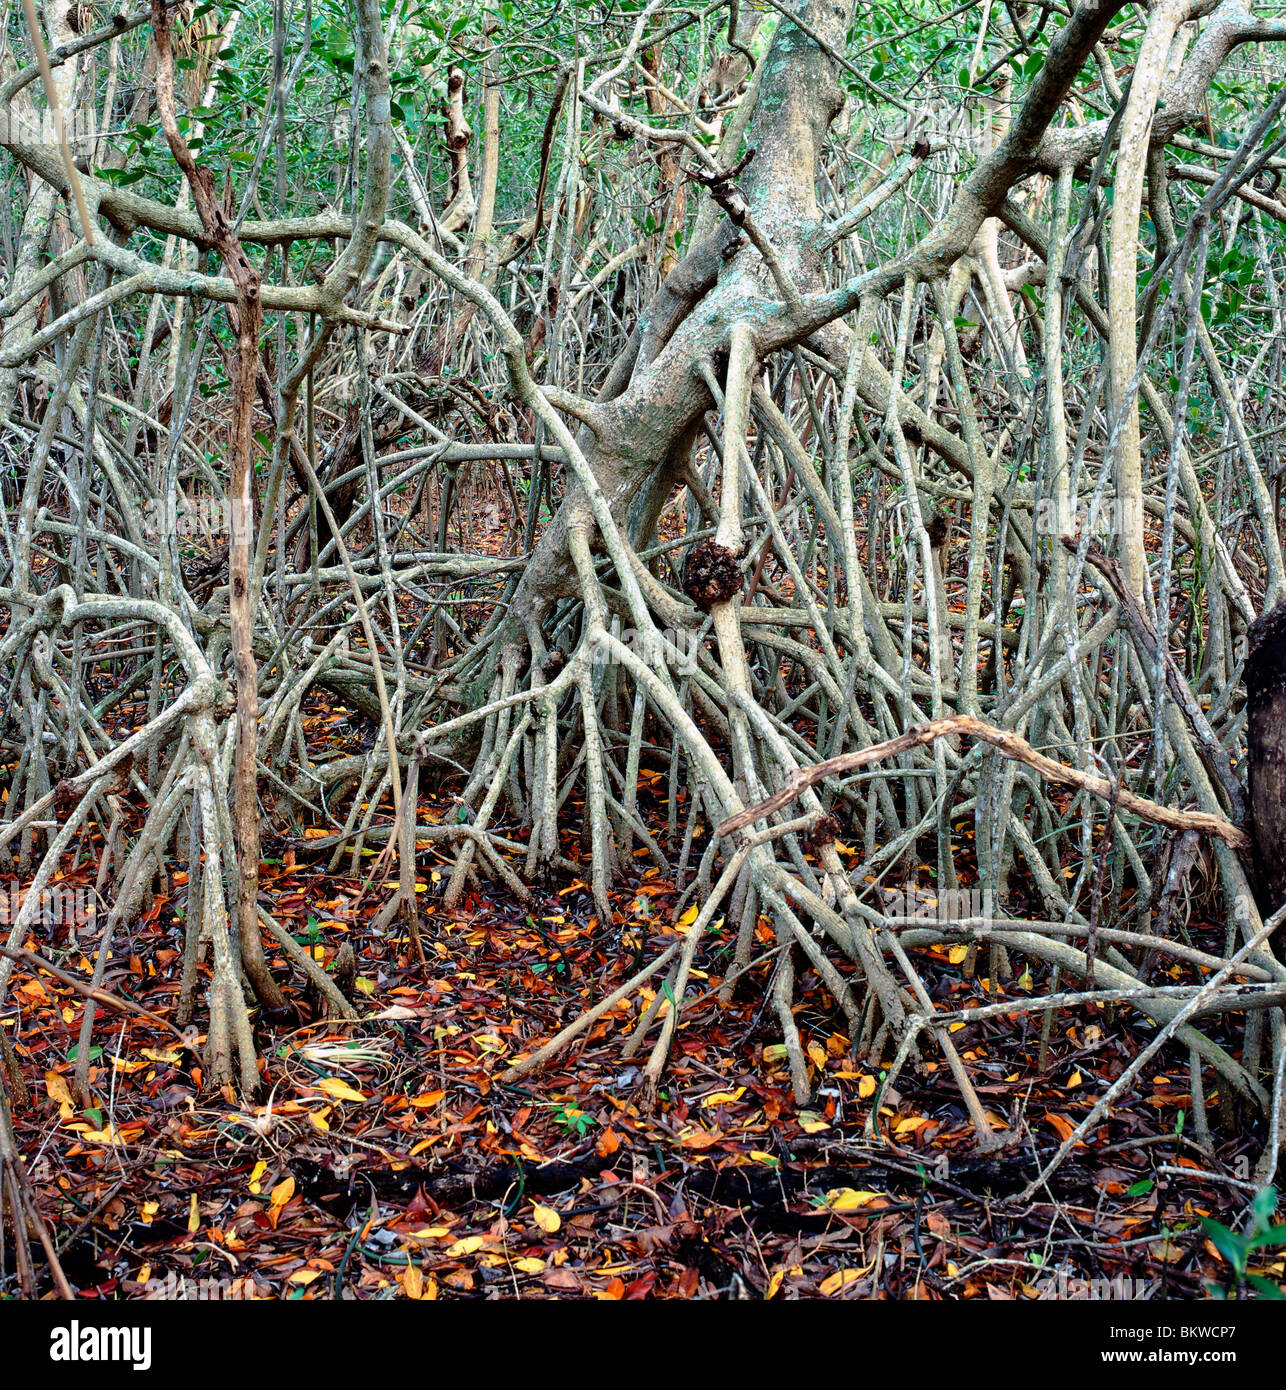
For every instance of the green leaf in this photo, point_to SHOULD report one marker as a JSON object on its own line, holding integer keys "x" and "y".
{"x": 1140, "y": 1188}
{"x": 1274, "y": 1235}
{"x": 1262, "y": 1206}
{"x": 1266, "y": 1287}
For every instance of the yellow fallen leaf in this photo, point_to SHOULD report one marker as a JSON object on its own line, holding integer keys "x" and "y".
{"x": 102, "y": 1136}
{"x": 304, "y": 1276}
{"x": 467, "y": 1246}
{"x": 723, "y": 1097}
{"x": 413, "y": 1282}
{"x": 161, "y": 1055}
{"x": 529, "y": 1265}
{"x": 957, "y": 954}
{"x": 340, "y": 1090}
{"x": 260, "y": 1169}
{"x": 774, "y": 1284}
{"x": 546, "y": 1218}
{"x": 833, "y": 1283}
{"x": 148, "y": 1211}
{"x": 866, "y": 1087}
{"x": 283, "y": 1192}
{"x": 848, "y": 1198}
{"x": 194, "y": 1217}
{"x": 811, "y": 1122}
{"x": 56, "y": 1086}
{"x": 689, "y": 917}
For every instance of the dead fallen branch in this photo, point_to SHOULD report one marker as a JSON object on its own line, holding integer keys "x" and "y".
{"x": 1012, "y": 746}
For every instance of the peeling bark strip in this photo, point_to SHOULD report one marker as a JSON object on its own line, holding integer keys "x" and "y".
{"x": 1266, "y": 750}
{"x": 247, "y": 323}
{"x": 1012, "y": 746}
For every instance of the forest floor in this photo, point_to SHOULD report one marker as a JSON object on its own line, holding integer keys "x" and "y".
{"x": 387, "y": 1160}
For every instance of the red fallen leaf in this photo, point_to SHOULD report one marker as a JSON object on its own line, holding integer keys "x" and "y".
{"x": 641, "y": 1288}
{"x": 421, "y": 1205}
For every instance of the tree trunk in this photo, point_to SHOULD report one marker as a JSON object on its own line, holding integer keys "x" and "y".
{"x": 1266, "y": 753}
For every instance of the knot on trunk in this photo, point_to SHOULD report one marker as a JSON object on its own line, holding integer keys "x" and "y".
{"x": 825, "y": 832}
{"x": 712, "y": 575}
{"x": 66, "y": 799}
